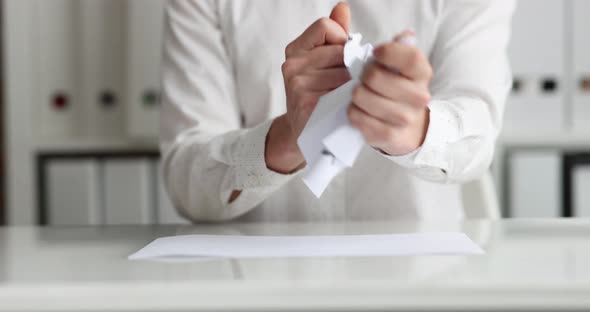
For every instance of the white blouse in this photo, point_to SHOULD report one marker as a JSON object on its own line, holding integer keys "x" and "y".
{"x": 222, "y": 86}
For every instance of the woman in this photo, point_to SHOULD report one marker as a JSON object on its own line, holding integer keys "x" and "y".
{"x": 241, "y": 78}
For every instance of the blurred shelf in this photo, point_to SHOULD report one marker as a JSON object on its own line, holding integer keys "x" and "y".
{"x": 571, "y": 140}
{"x": 72, "y": 145}
{"x": 565, "y": 140}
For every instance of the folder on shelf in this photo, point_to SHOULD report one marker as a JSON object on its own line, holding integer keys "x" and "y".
{"x": 58, "y": 86}
{"x": 128, "y": 191}
{"x": 581, "y": 196}
{"x": 535, "y": 184}
{"x": 73, "y": 196}
{"x": 538, "y": 98}
{"x": 581, "y": 66}
{"x": 144, "y": 46}
{"x": 102, "y": 54}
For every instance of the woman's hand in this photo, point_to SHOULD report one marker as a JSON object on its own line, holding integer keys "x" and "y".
{"x": 314, "y": 66}
{"x": 390, "y": 107}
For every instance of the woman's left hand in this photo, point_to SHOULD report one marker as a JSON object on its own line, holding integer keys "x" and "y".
{"x": 390, "y": 107}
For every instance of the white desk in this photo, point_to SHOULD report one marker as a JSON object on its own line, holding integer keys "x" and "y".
{"x": 536, "y": 265}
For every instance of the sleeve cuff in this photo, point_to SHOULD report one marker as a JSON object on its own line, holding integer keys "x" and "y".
{"x": 406, "y": 161}
{"x": 432, "y": 159}
{"x": 247, "y": 159}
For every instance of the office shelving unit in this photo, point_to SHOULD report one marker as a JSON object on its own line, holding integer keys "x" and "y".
{"x": 548, "y": 113}
{"x": 83, "y": 91}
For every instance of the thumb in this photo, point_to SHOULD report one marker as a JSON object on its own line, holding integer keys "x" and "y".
{"x": 341, "y": 15}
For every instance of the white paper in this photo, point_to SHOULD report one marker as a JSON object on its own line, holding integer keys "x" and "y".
{"x": 328, "y": 142}
{"x": 229, "y": 246}
{"x": 321, "y": 174}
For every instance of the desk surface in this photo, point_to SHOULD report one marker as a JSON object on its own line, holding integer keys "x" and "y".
{"x": 528, "y": 264}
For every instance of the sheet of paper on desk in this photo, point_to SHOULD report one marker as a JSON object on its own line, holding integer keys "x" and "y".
{"x": 227, "y": 246}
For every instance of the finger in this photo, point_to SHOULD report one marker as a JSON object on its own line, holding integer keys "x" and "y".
{"x": 329, "y": 56}
{"x": 329, "y": 79}
{"x": 341, "y": 15}
{"x": 409, "y": 60}
{"x": 319, "y": 81}
{"x": 376, "y": 132}
{"x": 323, "y": 31}
{"x": 393, "y": 86}
{"x": 389, "y": 112}
{"x": 326, "y": 57}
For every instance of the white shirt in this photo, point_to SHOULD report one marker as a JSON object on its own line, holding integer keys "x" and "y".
{"x": 222, "y": 86}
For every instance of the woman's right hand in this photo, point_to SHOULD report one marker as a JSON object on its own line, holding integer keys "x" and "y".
{"x": 313, "y": 67}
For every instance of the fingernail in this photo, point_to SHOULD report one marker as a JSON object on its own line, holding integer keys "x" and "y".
{"x": 408, "y": 37}
{"x": 410, "y": 31}
{"x": 409, "y": 40}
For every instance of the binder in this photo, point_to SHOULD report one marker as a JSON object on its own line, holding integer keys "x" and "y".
{"x": 166, "y": 213}
{"x": 58, "y": 93}
{"x": 581, "y": 195}
{"x": 537, "y": 54}
{"x": 581, "y": 66}
{"x": 535, "y": 184}
{"x": 144, "y": 46}
{"x": 73, "y": 193}
{"x": 101, "y": 47}
{"x": 128, "y": 191}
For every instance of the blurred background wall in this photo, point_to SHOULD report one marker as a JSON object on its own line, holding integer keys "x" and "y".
{"x": 82, "y": 112}
{"x": 81, "y": 100}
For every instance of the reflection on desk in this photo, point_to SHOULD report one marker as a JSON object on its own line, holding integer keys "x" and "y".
{"x": 529, "y": 264}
